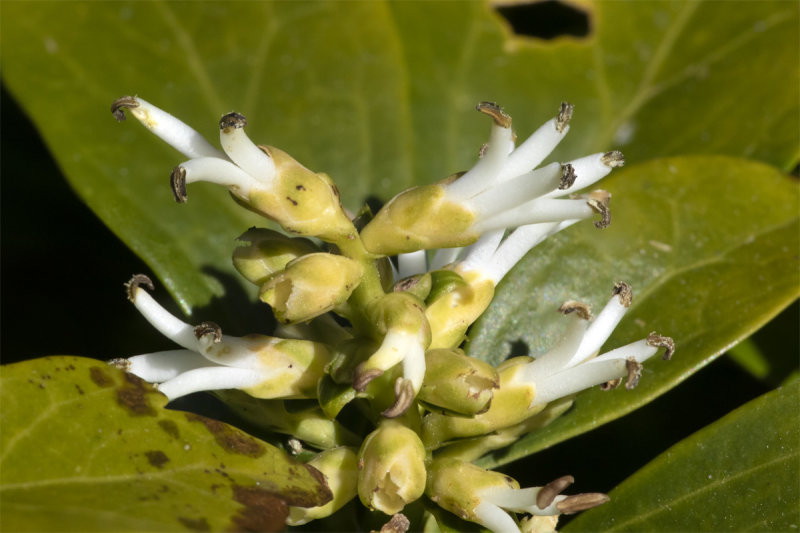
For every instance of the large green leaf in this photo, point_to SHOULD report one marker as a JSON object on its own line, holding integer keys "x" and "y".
{"x": 709, "y": 245}
{"x": 738, "y": 474}
{"x": 86, "y": 447}
{"x": 379, "y": 95}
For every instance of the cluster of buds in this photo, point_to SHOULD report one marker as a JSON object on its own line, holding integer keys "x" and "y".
{"x": 373, "y": 311}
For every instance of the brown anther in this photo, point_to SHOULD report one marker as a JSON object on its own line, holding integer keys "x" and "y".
{"x": 403, "y": 398}
{"x": 495, "y": 111}
{"x": 581, "y": 502}
{"x": 579, "y": 308}
{"x": 177, "y": 182}
{"x": 363, "y": 377}
{"x": 398, "y": 524}
{"x": 564, "y": 116}
{"x": 120, "y": 104}
{"x": 634, "y": 368}
{"x": 611, "y": 385}
{"x": 121, "y": 363}
{"x": 654, "y": 339}
{"x": 232, "y": 120}
{"x": 208, "y": 328}
{"x": 613, "y": 159}
{"x": 600, "y": 205}
{"x": 549, "y": 492}
{"x": 134, "y": 282}
{"x": 625, "y": 293}
{"x": 568, "y": 177}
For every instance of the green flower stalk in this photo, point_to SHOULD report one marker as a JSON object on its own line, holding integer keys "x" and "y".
{"x": 380, "y": 352}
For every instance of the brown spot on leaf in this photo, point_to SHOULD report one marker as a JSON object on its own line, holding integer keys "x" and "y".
{"x": 156, "y": 458}
{"x": 170, "y": 428}
{"x": 231, "y": 439}
{"x": 263, "y": 511}
{"x": 100, "y": 377}
{"x": 79, "y": 389}
{"x": 195, "y": 524}
{"x": 132, "y": 395}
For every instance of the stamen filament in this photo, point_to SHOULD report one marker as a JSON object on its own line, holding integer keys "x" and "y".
{"x": 244, "y": 152}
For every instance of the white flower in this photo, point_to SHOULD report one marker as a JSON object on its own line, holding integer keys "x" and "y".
{"x": 264, "y": 367}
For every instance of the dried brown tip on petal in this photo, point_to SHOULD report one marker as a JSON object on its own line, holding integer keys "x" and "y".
{"x": 121, "y": 363}
{"x": 120, "y": 104}
{"x": 549, "y": 492}
{"x": 363, "y": 377}
{"x": 177, "y": 182}
{"x": 564, "y": 116}
{"x": 134, "y": 282}
{"x": 600, "y": 205}
{"x": 398, "y": 524}
{"x": 568, "y": 177}
{"x": 208, "y": 328}
{"x": 654, "y": 339}
{"x": 579, "y": 308}
{"x": 634, "y": 368}
{"x": 406, "y": 284}
{"x": 232, "y": 120}
{"x": 611, "y": 385}
{"x": 613, "y": 159}
{"x": 495, "y": 111}
{"x": 581, "y": 502}
{"x": 625, "y": 293}
{"x": 403, "y": 398}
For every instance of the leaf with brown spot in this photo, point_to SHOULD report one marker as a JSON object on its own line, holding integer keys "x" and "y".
{"x": 89, "y": 461}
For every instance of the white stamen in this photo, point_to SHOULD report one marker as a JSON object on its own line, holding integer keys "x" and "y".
{"x": 414, "y": 366}
{"x": 161, "y": 366}
{"x": 589, "y": 170}
{"x": 444, "y": 256}
{"x": 483, "y": 174}
{"x": 600, "y": 330}
{"x": 533, "y": 151}
{"x": 495, "y": 519}
{"x": 174, "y": 132}
{"x": 168, "y": 325}
{"x": 411, "y": 263}
{"x": 559, "y": 357}
{"x": 479, "y": 255}
{"x": 210, "y": 378}
{"x": 536, "y": 212}
{"x": 511, "y": 193}
{"x": 520, "y": 500}
{"x": 244, "y": 152}
{"x": 221, "y": 172}
{"x": 592, "y": 372}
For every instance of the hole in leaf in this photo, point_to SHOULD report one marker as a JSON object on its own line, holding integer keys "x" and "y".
{"x": 546, "y": 20}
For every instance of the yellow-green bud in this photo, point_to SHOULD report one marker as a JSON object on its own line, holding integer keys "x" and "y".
{"x": 419, "y": 218}
{"x": 308, "y": 425}
{"x": 418, "y": 285}
{"x": 310, "y": 285}
{"x": 340, "y": 467}
{"x": 456, "y": 486}
{"x": 391, "y": 468}
{"x": 267, "y": 253}
{"x": 457, "y": 382}
{"x": 293, "y": 368}
{"x": 301, "y": 201}
{"x": 510, "y": 405}
{"x": 453, "y": 306}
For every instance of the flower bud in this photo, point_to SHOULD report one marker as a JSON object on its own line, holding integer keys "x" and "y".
{"x": 310, "y": 285}
{"x": 340, "y": 467}
{"x": 267, "y": 253}
{"x": 457, "y": 382}
{"x": 455, "y": 302}
{"x": 391, "y": 468}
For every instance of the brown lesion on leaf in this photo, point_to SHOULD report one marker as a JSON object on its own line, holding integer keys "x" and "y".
{"x": 156, "y": 458}
{"x": 263, "y": 510}
{"x": 195, "y": 524}
{"x": 231, "y": 439}
{"x": 100, "y": 377}
{"x": 132, "y": 395}
{"x": 170, "y": 428}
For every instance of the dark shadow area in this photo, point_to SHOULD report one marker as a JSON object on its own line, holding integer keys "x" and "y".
{"x": 546, "y": 20}
{"x": 518, "y": 347}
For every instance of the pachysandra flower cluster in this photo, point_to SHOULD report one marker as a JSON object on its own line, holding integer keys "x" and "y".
{"x": 363, "y": 333}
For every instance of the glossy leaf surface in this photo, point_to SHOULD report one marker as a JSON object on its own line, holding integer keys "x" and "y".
{"x": 86, "y": 447}
{"x": 738, "y": 474}
{"x": 355, "y": 90}
{"x": 708, "y": 266}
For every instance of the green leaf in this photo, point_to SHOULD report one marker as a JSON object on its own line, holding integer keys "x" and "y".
{"x": 738, "y": 474}
{"x": 86, "y": 447}
{"x": 709, "y": 245}
{"x": 749, "y": 357}
{"x": 379, "y": 95}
